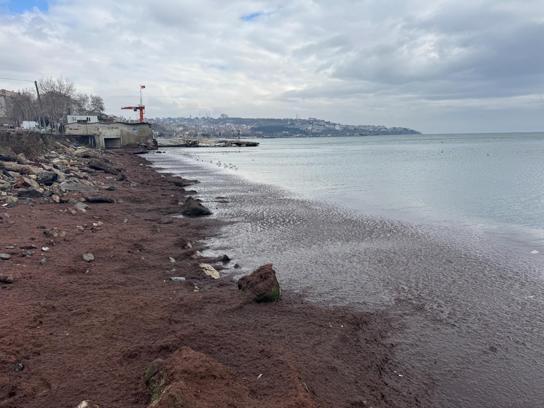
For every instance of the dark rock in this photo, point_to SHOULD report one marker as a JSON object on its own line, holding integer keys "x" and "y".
{"x": 225, "y": 259}
{"x": 121, "y": 177}
{"x": 194, "y": 208}
{"x": 97, "y": 164}
{"x": 261, "y": 285}
{"x": 99, "y": 200}
{"x": 181, "y": 182}
{"x": 6, "y": 279}
{"x": 47, "y": 177}
{"x": 29, "y": 193}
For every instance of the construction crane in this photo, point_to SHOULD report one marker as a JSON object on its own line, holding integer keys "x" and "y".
{"x": 140, "y": 107}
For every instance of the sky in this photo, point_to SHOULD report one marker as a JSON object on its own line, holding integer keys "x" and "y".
{"x": 441, "y": 66}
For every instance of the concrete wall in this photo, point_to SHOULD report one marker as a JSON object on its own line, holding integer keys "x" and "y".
{"x": 111, "y": 135}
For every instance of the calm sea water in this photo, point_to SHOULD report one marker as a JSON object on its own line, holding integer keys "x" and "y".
{"x": 444, "y": 231}
{"x": 493, "y": 181}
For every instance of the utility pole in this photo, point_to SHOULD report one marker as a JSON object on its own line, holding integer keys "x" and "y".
{"x": 40, "y": 103}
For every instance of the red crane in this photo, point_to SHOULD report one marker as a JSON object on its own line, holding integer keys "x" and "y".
{"x": 140, "y": 107}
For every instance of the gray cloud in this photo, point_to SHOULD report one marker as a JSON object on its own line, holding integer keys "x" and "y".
{"x": 414, "y": 63}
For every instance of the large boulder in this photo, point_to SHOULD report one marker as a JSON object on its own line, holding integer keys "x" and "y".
{"x": 261, "y": 285}
{"x": 193, "y": 208}
{"x": 98, "y": 164}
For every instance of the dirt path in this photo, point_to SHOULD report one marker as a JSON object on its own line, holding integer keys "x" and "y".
{"x": 72, "y": 330}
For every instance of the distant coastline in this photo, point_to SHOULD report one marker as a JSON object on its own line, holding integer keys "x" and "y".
{"x": 228, "y": 127}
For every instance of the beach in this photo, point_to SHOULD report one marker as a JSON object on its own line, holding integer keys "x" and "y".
{"x": 465, "y": 297}
{"x": 78, "y": 329}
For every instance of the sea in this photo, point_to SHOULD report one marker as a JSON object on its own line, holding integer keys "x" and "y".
{"x": 446, "y": 232}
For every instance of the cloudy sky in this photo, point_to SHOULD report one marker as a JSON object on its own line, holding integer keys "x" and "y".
{"x": 436, "y": 66}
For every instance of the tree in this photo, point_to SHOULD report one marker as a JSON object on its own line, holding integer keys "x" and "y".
{"x": 21, "y": 106}
{"x": 96, "y": 104}
{"x": 58, "y": 97}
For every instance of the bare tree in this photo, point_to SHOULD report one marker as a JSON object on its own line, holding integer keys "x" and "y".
{"x": 96, "y": 104}
{"x": 22, "y": 106}
{"x": 58, "y": 97}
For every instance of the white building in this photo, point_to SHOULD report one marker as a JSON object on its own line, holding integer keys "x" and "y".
{"x": 81, "y": 119}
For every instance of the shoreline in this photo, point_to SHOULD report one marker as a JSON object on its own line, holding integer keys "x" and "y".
{"x": 88, "y": 331}
{"x": 454, "y": 302}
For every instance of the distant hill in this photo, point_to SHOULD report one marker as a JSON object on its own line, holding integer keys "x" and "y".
{"x": 225, "y": 126}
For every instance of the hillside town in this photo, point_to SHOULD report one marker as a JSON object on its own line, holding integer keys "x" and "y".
{"x": 225, "y": 126}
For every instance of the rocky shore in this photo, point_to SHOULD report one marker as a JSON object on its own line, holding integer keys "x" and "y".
{"x": 107, "y": 301}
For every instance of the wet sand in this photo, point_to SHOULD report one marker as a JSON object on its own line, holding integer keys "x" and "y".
{"x": 71, "y": 330}
{"x": 467, "y": 312}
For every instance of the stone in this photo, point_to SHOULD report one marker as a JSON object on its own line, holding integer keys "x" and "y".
{"x": 177, "y": 279}
{"x": 11, "y": 200}
{"x": 6, "y": 154}
{"x": 81, "y": 207}
{"x": 55, "y": 198}
{"x": 29, "y": 193}
{"x": 97, "y": 164}
{"x": 209, "y": 271}
{"x": 99, "y": 199}
{"x": 261, "y": 285}
{"x": 4, "y": 257}
{"x": 88, "y": 257}
{"x": 194, "y": 208}
{"x": 6, "y": 279}
{"x": 47, "y": 178}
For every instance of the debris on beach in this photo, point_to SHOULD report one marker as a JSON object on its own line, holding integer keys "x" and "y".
{"x": 261, "y": 285}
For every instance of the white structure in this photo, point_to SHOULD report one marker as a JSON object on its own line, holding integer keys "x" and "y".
{"x": 29, "y": 125}
{"x": 81, "y": 119}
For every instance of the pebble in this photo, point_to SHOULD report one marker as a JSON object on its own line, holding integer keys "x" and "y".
{"x": 88, "y": 257}
{"x": 5, "y": 257}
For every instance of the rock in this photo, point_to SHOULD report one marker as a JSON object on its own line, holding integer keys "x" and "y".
{"x": 97, "y": 164}
{"x": 47, "y": 178}
{"x": 209, "y": 271}
{"x": 32, "y": 183}
{"x": 177, "y": 279}
{"x": 81, "y": 207}
{"x": 11, "y": 201}
{"x": 55, "y": 198}
{"x": 88, "y": 257}
{"x": 87, "y": 153}
{"x": 181, "y": 182}
{"x": 19, "y": 168}
{"x": 6, "y": 154}
{"x": 261, "y": 285}
{"x": 6, "y": 279}
{"x": 5, "y": 257}
{"x": 194, "y": 208}
{"x": 99, "y": 199}
{"x": 21, "y": 158}
{"x": 225, "y": 259}
{"x": 29, "y": 193}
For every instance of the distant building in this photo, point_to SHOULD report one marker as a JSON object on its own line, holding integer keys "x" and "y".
{"x": 110, "y": 135}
